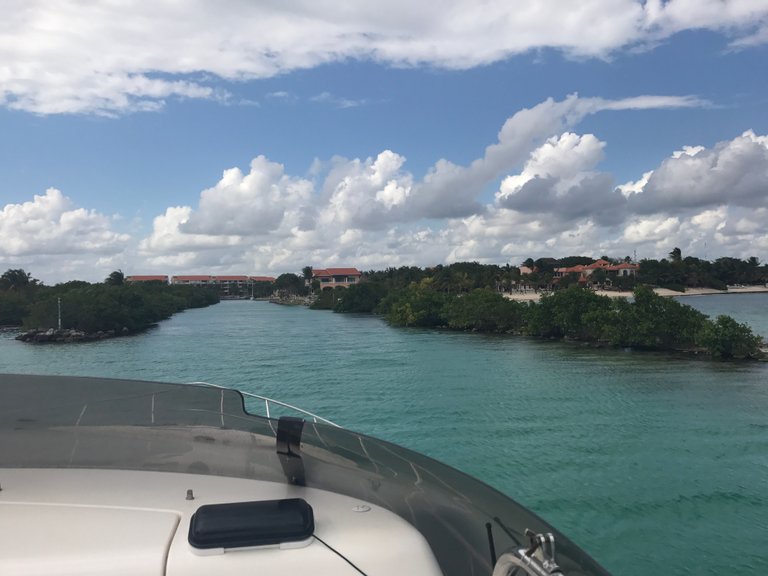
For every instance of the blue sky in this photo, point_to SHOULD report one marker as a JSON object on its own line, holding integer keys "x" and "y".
{"x": 255, "y": 139}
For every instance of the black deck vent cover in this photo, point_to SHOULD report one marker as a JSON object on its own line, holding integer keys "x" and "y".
{"x": 257, "y": 523}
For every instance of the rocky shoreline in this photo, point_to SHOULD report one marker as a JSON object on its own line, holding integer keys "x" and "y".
{"x": 292, "y": 301}
{"x": 52, "y": 336}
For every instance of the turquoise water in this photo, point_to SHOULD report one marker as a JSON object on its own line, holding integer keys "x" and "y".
{"x": 656, "y": 464}
{"x": 751, "y": 309}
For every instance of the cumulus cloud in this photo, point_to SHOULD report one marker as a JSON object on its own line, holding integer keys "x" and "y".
{"x": 378, "y": 192}
{"x": 51, "y": 225}
{"x": 560, "y": 180}
{"x": 56, "y": 240}
{"x": 367, "y": 193}
{"x": 168, "y": 235}
{"x": 111, "y": 58}
{"x": 251, "y": 204}
{"x": 733, "y": 172}
{"x": 451, "y": 191}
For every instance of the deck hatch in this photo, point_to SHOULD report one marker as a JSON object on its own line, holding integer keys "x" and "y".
{"x": 259, "y": 523}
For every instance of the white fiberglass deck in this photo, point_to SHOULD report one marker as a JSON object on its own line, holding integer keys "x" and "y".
{"x": 82, "y": 521}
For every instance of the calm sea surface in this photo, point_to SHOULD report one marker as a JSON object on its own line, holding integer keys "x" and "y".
{"x": 656, "y": 464}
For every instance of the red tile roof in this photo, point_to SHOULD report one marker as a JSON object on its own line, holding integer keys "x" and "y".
{"x": 146, "y": 278}
{"x": 336, "y": 272}
{"x": 600, "y": 264}
{"x": 222, "y": 278}
{"x": 191, "y": 278}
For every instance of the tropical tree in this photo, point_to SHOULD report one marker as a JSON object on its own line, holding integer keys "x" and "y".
{"x": 16, "y": 279}
{"x": 116, "y": 278}
{"x": 725, "y": 338}
{"x": 363, "y": 297}
{"x": 570, "y": 261}
{"x": 290, "y": 284}
{"x": 416, "y": 305}
{"x": 483, "y": 310}
{"x": 599, "y": 277}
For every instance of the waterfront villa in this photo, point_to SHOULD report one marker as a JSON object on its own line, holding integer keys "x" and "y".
{"x": 624, "y": 269}
{"x": 336, "y": 277}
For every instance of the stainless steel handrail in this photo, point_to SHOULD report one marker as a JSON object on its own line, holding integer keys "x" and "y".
{"x": 269, "y": 401}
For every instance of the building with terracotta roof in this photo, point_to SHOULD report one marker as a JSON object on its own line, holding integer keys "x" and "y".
{"x": 336, "y": 277}
{"x": 197, "y": 280}
{"x": 229, "y": 286}
{"x": 156, "y": 278}
{"x": 238, "y": 286}
{"x": 585, "y": 271}
{"x": 624, "y": 269}
{"x": 232, "y": 286}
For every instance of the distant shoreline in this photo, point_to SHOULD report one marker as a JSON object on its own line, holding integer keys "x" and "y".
{"x": 535, "y": 296}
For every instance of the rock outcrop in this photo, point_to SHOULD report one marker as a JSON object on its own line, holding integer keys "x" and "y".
{"x": 50, "y": 335}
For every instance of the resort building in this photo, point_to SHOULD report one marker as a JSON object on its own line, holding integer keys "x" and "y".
{"x": 229, "y": 287}
{"x": 336, "y": 277}
{"x": 158, "y": 278}
{"x": 238, "y": 286}
{"x": 194, "y": 280}
{"x": 232, "y": 286}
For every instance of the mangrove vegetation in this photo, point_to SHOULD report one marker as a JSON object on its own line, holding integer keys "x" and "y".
{"x": 467, "y": 297}
{"x": 112, "y": 307}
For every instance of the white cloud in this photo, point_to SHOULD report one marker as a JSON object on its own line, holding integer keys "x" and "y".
{"x": 569, "y": 158}
{"x": 451, "y": 191}
{"x": 110, "y": 58}
{"x": 256, "y": 203}
{"x": 55, "y": 240}
{"x": 51, "y": 225}
{"x": 336, "y": 101}
{"x": 655, "y": 229}
{"x": 168, "y": 236}
{"x": 651, "y": 102}
{"x": 367, "y": 193}
{"x": 560, "y": 180}
{"x": 676, "y": 15}
{"x": 629, "y": 188}
{"x": 733, "y": 172}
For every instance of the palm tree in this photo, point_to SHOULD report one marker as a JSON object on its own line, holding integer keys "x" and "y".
{"x": 116, "y": 278}
{"x": 307, "y": 274}
{"x": 16, "y": 279}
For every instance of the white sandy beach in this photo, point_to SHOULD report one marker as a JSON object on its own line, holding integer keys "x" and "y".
{"x": 534, "y": 296}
